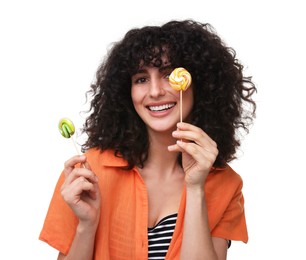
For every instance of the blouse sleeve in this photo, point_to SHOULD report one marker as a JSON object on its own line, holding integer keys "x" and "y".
{"x": 60, "y": 223}
{"x": 232, "y": 222}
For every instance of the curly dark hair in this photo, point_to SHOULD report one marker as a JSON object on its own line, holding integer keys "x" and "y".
{"x": 222, "y": 94}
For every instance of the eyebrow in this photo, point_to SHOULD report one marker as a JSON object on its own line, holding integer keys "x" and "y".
{"x": 140, "y": 71}
{"x": 161, "y": 69}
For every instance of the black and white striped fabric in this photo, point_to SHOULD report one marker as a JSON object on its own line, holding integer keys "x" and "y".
{"x": 160, "y": 237}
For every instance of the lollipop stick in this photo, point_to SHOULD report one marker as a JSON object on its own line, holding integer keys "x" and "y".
{"x": 75, "y": 145}
{"x": 76, "y": 148}
{"x": 181, "y": 106}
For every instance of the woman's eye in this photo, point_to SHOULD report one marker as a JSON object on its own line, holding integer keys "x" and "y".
{"x": 140, "y": 80}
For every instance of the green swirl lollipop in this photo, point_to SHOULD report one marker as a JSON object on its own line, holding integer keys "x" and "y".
{"x": 66, "y": 127}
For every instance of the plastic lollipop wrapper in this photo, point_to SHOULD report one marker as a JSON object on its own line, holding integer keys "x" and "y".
{"x": 67, "y": 130}
{"x": 180, "y": 80}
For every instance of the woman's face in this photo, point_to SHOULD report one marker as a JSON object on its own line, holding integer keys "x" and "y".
{"x": 157, "y": 104}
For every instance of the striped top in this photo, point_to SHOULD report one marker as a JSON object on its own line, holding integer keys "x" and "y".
{"x": 159, "y": 237}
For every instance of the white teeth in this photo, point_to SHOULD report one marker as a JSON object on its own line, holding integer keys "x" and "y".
{"x": 160, "y": 108}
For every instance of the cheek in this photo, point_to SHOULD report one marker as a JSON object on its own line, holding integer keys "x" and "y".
{"x": 137, "y": 95}
{"x": 134, "y": 95}
{"x": 174, "y": 92}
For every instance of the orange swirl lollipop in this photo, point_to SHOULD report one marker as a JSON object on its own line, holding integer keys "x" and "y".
{"x": 180, "y": 80}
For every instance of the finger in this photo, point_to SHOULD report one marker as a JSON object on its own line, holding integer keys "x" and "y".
{"x": 198, "y": 153}
{"x": 72, "y": 162}
{"x": 192, "y": 137}
{"x": 81, "y": 173}
{"x": 175, "y": 148}
{"x": 73, "y": 192}
{"x": 201, "y": 148}
{"x": 86, "y": 165}
{"x": 193, "y": 133}
{"x": 94, "y": 193}
{"x": 86, "y": 188}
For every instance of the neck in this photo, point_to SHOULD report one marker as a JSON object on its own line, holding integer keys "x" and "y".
{"x": 160, "y": 161}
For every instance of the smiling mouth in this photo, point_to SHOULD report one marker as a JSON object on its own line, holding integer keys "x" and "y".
{"x": 161, "y": 108}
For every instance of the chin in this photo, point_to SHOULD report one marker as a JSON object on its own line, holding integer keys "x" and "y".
{"x": 163, "y": 127}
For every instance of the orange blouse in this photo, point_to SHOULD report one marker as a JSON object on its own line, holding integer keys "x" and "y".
{"x": 122, "y": 232}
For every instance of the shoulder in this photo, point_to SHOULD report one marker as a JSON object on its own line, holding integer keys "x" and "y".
{"x": 223, "y": 180}
{"x": 225, "y": 173}
{"x": 108, "y": 158}
{"x": 109, "y": 167}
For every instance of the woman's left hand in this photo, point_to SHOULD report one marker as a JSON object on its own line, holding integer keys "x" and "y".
{"x": 199, "y": 153}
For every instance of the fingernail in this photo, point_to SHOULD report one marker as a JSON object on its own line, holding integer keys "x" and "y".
{"x": 174, "y": 133}
{"x": 179, "y": 124}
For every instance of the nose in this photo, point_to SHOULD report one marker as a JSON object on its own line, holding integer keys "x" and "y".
{"x": 157, "y": 88}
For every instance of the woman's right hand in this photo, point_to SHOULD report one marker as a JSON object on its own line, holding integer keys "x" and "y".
{"x": 81, "y": 191}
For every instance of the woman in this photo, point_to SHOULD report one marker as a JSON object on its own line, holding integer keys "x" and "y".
{"x": 153, "y": 188}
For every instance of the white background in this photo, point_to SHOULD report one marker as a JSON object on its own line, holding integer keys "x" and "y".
{"x": 49, "y": 52}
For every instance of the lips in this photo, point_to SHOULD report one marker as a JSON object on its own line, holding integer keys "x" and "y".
{"x": 163, "y": 107}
